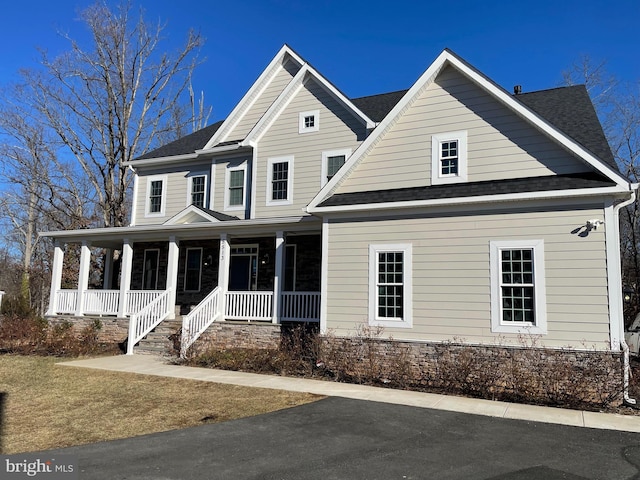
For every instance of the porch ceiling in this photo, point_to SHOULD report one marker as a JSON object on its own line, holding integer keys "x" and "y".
{"x": 113, "y": 237}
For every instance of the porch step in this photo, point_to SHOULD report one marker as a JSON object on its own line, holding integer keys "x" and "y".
{"x": 158, "y": 341}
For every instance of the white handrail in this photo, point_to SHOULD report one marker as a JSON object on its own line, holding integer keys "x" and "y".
{"x": 101, "y": 302}
{"x": 67, "y": 301}
{"x": 199, "y": 319}
{"x": 147, "y": 319}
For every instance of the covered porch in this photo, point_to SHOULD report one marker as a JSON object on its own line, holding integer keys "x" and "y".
{"x": 203, "y": 272}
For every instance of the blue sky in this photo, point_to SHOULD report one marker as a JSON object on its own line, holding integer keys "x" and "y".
{"x": 362, "y": 47}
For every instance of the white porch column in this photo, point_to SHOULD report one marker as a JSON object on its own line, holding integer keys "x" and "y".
{"x": 223, "y": 273}
{"x": 125, "y": 276}
{"x": 172, "y": 275}
{"x": 108, "y": 267}
{"x": 278, "y": 279}
{"x": 83, "y": 277}
{"x": 56, "y": 278}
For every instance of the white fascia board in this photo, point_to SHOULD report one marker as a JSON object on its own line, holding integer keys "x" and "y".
{"x": 190, "y": 210}
{"x": 160, "y": 160}
{"x": 177, "y": 159}
{"x": 252, "y": 94}
{"x": 534, "y": 118}
{"x": 304, "y": 222}
{"x": 425, "y": 79}
{"x": 276, "y": 108}
{"x": 447, "y": 57}
{"x": 584, "y": 192}
{"x": 289, "y": 92}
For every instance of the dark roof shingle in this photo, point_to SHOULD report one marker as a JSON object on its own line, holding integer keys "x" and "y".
{"x": 472, "y": 189}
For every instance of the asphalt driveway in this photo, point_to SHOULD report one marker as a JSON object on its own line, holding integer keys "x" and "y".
{"x": 338, "y": 438}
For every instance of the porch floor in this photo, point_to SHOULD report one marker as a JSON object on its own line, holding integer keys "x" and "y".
{"x": 152, "y": 365}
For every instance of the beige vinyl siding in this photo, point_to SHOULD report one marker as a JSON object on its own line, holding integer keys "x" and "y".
{"x": 500, "y": 144}
{"x": 264, "y": 100}
{"x": 176, "y": 190}
{"x": 220, "y": 169}
{"x": 451, "y": 279}
{"x": 339, "y": 129}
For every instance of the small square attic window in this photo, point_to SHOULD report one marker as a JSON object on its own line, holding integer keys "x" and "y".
{"x": 309, "y": 121}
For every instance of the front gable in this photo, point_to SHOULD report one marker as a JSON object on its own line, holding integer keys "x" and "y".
{"x": 496, "y": 138}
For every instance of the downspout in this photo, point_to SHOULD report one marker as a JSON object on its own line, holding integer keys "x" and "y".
{"x": 623, "y": 343}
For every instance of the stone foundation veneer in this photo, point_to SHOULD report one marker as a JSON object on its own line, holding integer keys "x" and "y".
{"x": 228, "y": 335}
{"x": 113, "y": 330}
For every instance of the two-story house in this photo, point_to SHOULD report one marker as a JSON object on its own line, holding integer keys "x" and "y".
{"x": 453, "y": 209}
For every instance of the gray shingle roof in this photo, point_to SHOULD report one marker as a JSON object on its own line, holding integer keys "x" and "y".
{"x": 570, "y": 110}
{"x": 185, "y": 145}
{"x": 472, "y": 189}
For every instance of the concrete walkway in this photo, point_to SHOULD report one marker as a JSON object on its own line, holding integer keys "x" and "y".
{"x": 152, "y": 365}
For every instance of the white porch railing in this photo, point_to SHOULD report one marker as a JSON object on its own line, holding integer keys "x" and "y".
{"x": 147, "y": 319}
{"x": 199, "y": 320}
{"x": 104, "y": 302}
{"x": 101, "y": 302}
{"x": 139, "y": 299}
{"x": 300, "y": 306}
{"x": 67, "y": 301}
{"x": 249, "y": 306}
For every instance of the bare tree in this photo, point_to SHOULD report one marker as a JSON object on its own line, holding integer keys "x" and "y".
{"x": 110, "y": 102}
{"x": 618, "y": 106}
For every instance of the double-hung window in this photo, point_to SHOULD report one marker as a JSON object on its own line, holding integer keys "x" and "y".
{"x": 280, "y": 181}
{"x": 156, "y": 196}
{"x": 390, "y": 285}
{"x": 517, "y": 287}
{"x": 332, "y": 161}
{"x": 449, "y": 158}
{"x": 235, "y": 185}
{"x": 198, "y": 186}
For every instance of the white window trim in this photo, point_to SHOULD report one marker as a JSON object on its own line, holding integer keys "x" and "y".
{"x": 325, "y": 162}
{"x": 190, "y": 178}
{"x": 186, "y": 259}
{"x": 269, "y": 199}
{"x": 316, "y": 121}
{"x": 407, "y": 320}
{"x": 163, "y": 200}
{"x": 227, "y": 181}
{"x": 436, "y": 177}
{"x": 540, "y": 297}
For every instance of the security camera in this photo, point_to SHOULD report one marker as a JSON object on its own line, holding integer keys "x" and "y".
{"x": 593, "y": 224}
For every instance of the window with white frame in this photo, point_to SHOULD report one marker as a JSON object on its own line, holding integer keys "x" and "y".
{"x": 156, "y": 196}
{"x": 198, "y": 190}
{"x": 235, "y": 181}
{"x": 332, "y": 161}
{"x": 193, "y": 270}
{"x": 309, "y": 121}
{"x": 449, "y": 158}
{"x": 518, "y": 298}
{"x": 280, "y": 180}
{"x": 390, "y": 285}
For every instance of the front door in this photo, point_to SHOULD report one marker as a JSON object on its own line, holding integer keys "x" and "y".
{"x": 243, "y": 269}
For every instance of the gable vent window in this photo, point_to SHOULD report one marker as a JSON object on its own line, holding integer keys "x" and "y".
{"x": 309, "y": 121}
{"x": 449, "y": 158}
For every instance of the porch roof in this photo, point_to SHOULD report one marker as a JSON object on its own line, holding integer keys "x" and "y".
{"x": 113, "y": 237}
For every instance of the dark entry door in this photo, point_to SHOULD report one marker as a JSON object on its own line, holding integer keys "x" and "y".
{"x": 240, "y": 275}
